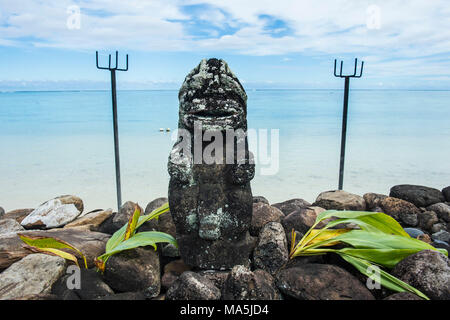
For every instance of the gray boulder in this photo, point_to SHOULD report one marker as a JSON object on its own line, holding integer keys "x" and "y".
{"x": 401, "y": 210}
{"x": 301, "y": 220}
{"x": 403, "y": 296}
{"x": 441, "y": 236}
{"x": 243, "y": 284}
{"x": 9, "y": 225}
{"x": 442, "y": 210}
{"x": 373, "y": 200}
{"x": 192, "y": 286}
{"x": 446, "y": 193}
{"x": 340, "y": 200}
{"x": 125, "y": 212}
{"x": 34, "y": 274}
{"x": 420, "y": 196}
{"x": 134, "y": 270}
{"x": 427, "y": 219}
{"x": 291, "y": 205}
{"x": 263, "y": 214}
{"x": 428, "y": 271}
{"x": 271, "y": 252}
{"x": 321, "y": 282}
{"x": 91, "y": 286}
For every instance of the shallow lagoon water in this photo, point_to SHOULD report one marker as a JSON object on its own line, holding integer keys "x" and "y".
{"x": 55, "y": 143}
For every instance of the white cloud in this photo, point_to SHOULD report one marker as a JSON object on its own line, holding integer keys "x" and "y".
{"x": 409, "y": 31}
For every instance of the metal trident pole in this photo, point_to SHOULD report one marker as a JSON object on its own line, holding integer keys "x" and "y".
{"x": 344, "y": 114}
{"x": 115, "y": 126}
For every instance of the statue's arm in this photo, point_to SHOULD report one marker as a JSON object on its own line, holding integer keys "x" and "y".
{"x": 243, "y": 171}
{"x": 180, "y": 165}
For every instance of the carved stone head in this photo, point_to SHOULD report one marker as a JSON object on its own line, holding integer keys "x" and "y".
{"x": 212, "y": 94}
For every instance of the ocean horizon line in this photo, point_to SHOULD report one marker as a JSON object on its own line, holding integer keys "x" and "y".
{"x": 249, "y": 90}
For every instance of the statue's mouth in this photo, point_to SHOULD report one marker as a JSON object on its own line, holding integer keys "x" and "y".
{"x": 212, "y": 113}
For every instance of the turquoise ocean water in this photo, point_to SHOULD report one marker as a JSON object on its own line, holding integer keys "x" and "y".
{"x": 55, "y": 143}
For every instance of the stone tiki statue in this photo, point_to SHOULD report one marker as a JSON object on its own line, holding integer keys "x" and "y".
{"x": 211, "y": 202}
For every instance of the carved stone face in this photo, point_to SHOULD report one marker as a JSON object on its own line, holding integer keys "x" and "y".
{"x": 212, "y": 94}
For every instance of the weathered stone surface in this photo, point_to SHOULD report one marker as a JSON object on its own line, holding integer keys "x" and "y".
{"x": 92, "y": 244}
{"x": 166, "y": 224}
{"x": 403, "y": 296}
{"x": 169, "y": 250}
{"x": 17, "y": 215}
{"x": 401, "y": 210}
{"x": 121, "y": 218}
{"x": 34, "y": 274}
{"x": 91, "y": 221}
{"x": 211, "y": 202}
{"x": 108, "y": 226}
{"x": 446, "y": 193}
{"x": 243, "y": 284}
{"x": 91, "y": 286}
{"x": 257, "y": 199}
{"x": 9, "y": 225}
{"x": 291, "y": 205}
{"x": 218, "y": 255}
{"x": 427, "y": 219}
{"x": 155, "y": 204}
{"x": 321, "y": 282}
{"x": 54, "y": 213}
{"x": 340, "y": 200}
{"x": 373, "y": 200}
{"x": 442, "y": 210}
{"x": 418, "y": 195}
{"x": 177, "y": 267}
{"x": 168, "y": 279}
{"x": 262, "y": 214}
{"x": 2, "y": 212}
{"x": 216, "y": 277}
{"x": 441, "y": 236}
{"x": 271, "y": 252}
{"x": 192, "y": 286}
{"x": 428, "y": 271}
{"x": 441, "y": 245}
{"x": 134, "y": 270}
{"x": 301, "y": 220}
{"x": 438, "y": 227}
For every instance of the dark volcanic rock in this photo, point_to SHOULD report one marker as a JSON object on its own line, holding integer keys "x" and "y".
{"x": 442, "y": 210}
{"x": 192, "y": 286}
{"x": 321, "y": 282}
{"x": 438, "y": 227}
{"x": 218, "y": 255}
{"x": 9, "y": 225}
{"x": 217, "y": 277}
{"x": 211, "y": 199}
{"x": 441, "y": 236}
{"x": 419, "y": 195}
{"x": 2, "y": 212}
{"x": 301, "y": 220}
{"x": 401, "y": 210}
{"x": 263, "y": 214}
{"x": 373, "y": 200}
{"x": 172, "y": 271}
{"x": 155, "y": 204}
{"x": 428, "y": 271}
{"x": 413, "y": 232}
{"x": 446, "y": 193}
{"x": 121, "y": 218}
{"x": 257, "y": 199}
{"x": 271, "y": 252}
{"x": 134, "y": 270}
{"x": 427, "y": 219}
{"x": 340, "y": 200}
{"x": 91, "y": 286}
{"x": 243, "y": 284}
{"x": 291, "y": 205}
{"x": 403, "y": 296}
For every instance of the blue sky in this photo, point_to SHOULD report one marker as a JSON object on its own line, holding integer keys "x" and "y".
{"x": 268, "y": 44}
